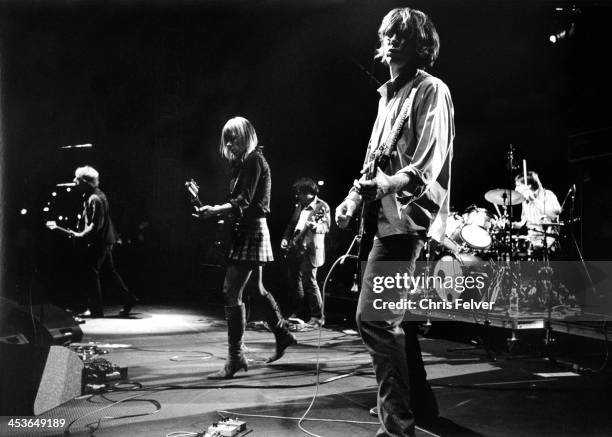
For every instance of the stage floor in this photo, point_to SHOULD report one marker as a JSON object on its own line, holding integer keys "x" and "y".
{"x": 170, "y": 350}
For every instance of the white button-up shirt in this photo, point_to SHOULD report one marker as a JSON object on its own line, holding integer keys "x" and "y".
{"x": 423, "y": 151}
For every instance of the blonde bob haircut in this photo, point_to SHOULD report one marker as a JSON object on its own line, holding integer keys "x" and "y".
{"x": 241, "y": 132}
{"x": 88, "y": 174}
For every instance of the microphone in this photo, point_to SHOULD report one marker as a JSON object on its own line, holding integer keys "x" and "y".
{"x": 66, "y": 184}
{"x": 78, "y": 146}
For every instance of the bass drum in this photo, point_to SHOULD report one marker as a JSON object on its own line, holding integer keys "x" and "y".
{"x": 451, "y": 273}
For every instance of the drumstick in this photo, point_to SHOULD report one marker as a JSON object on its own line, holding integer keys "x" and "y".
{"x": 525, "y": 171}
{"x": 497, "y": 209}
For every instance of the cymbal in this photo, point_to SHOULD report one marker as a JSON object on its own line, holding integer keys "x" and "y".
{"x": 503, "y": 196}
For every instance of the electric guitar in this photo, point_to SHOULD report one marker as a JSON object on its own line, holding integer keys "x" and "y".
{"x": 51, "y": 224}
{"x": 368, "y": 220}
{"x": 298, "y": 243}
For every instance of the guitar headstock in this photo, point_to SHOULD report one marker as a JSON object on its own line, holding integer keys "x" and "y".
{"x": 192, "y": 187}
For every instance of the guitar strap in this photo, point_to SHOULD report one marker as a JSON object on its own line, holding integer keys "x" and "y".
{"x": 389, "y": 145}
{"x": 382, "y": 154}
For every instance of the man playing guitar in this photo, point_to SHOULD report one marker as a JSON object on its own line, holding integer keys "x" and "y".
{"x": 97, "y": 230}
{"x": 414, "y": 131}
{"x": 304, "y": 245}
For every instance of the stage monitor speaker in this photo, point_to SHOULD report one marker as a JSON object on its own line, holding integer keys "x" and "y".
{"x": 44, "y": 324}
{"x": 35, "y": 379}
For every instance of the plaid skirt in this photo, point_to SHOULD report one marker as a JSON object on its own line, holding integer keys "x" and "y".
{"x": 252, "y": 242}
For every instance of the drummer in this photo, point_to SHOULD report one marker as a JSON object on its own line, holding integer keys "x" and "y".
{"x": 540, "y": 206}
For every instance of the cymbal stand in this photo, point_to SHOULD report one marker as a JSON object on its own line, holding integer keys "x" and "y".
{"x": 508, "y": 207}
{"x": 427, "y": 250}
{"x": 513, "y": 340}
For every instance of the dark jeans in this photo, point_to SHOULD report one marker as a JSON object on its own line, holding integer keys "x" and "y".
{"x": 303, "y": 285}
{"x": 97, "y": 258}
{"x": 403, "y": 390}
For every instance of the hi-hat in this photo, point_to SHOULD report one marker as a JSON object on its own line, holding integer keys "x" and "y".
{"x": 503, "y": 197}
{"x": 545, "y": 224}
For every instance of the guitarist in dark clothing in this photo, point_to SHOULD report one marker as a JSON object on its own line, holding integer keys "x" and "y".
{"x": 405, "y": 183}
{"x": 304, "y": 242}
{"x": 97, "y": 231}
{"x": 249, "y": 202}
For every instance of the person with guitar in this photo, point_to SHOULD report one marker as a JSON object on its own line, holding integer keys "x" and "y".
{"x": 251, "y": 249}
{"x": 97, "y": 231}
{"x": 404, "y": 194}
{"x": 304, "y": 244}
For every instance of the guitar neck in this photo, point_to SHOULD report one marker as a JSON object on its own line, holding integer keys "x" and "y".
{"x": 63, "y": 230}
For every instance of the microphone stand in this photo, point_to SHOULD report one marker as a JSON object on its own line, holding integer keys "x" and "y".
{"x": 582, "y": 262}
{"x": 572, "y": 192}
{"x": 513, "y": 340}
{"x": 510, "y": 169}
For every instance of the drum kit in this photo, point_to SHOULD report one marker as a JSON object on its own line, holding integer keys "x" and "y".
{"x": 480, "y": 243}
{"x": 491, "y": 236}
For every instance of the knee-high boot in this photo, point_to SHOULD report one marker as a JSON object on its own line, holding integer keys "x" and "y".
{"x": 278, "y": 325}
{"x": 236, "y": 322}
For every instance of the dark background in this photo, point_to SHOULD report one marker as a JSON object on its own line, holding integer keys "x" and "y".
{"x": 150, "y": 85}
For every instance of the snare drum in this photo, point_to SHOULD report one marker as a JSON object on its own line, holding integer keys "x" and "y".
{"x": 475, "y": 232}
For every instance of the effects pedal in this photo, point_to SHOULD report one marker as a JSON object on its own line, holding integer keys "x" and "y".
{"x": 225, "y": 428}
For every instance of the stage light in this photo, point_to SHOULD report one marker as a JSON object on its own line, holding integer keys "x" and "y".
{"x": 61, "y": 217}
{"x": 320, "y": 183}
{"x": 68, "y": 189}
{"x": 23, "y": 211}
{"x": 54, "y": 194}
{"x": 46, "y": 209}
